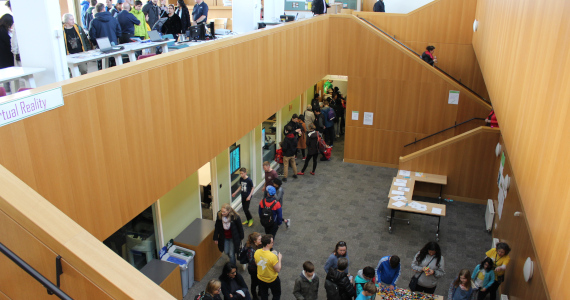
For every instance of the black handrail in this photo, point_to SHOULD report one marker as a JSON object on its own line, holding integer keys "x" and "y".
{"x": 443, "y": 130}
{"x": 401, "y": 44}
{"x": 52, "y": 288}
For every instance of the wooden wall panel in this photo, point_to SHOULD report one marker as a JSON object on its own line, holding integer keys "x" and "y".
{"x": 522, "y": 47}
{"x": 408, "y": 98}
{"x": 464, "y": 159}
{"x": 128, "y": 135}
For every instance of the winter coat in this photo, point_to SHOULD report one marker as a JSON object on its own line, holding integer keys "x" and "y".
{"x": 227, "y": 287}
{"x": 428, "y": 281}
{"x": 320, "y": 122}
{"x": 140, "y": 30}
{"x": 305, "y": 289}
{"x": 127, "y": 22}
{"x": 184, "y": 18}
{"x": 6, "y": 55}
{"x": 325, "y": 114}
{"x": 312, "y": 143}
{"x": 345, "y": 288}
{"x": 88, "y": 17}
{"x": 379, "y": 6}
{"x": 104, "y": 25}
{"x": 318, "y": 7}
{"x": 277, "y": 211}
{"x": 153, "y": 13}
{"x": 173, "y": 25}
{"x": 236, "y": 228}
{"x": 302, "y": 141}
{"x": 290, "y": 145}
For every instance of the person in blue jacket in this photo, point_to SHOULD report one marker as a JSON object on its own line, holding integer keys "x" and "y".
{"x": 461, "y": 288}
{"x": 277, "y": 212}
{"x": 104, "y": 25}
{"x": 340, "y": 250}
{"x": 484, "y": 276}
{"x": 388, "y": 270}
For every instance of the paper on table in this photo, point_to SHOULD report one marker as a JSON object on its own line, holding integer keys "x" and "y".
{"x": 398, "y": 198}
{"x": 418, "y": 206}
{"x": 418, "y": 174}
{"x": 399, "y": 184}
{"x": 397, "y": 193}
{"x": 398, "y": 204}
{"x": 403, "y": 189}
{"x": 435, "y": 210}
{"x": 404, "y": 173}
{"x": 401, "y": 180}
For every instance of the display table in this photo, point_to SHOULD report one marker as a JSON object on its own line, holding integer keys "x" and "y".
{"x": 13, "y": 74}
{"x": 198, "y": 236}
{"x": 166, "y": 275}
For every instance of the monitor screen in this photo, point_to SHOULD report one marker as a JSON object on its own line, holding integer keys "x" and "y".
{"x": 193, "y": 33}
{"x": 235, "y": 162}
{"x": 263, "y": 136}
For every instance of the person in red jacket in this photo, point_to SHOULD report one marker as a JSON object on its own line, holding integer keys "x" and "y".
{"x": 492, "y": 120}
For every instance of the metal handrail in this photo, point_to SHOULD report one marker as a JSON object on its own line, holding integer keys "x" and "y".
{"x": 442, "y": 131}
{"x": 442, "y": 71}
{"x": 52, "y": 288}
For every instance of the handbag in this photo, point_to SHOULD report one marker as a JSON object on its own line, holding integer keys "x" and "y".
{"x": 414, "y": 281}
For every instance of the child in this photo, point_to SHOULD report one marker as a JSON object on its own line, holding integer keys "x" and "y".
{"x": 484, "y": 276}
{"x": 279, "y": 196}
{"x": 363, "y": 277}
{"x": 307, "y": 284}
{"x": 368, "y": 291}
{"x": 460, "y": 288}
{"x": 388, "y": 271}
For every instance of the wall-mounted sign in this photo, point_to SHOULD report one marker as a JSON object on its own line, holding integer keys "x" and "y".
{"x": 21, "y": 108}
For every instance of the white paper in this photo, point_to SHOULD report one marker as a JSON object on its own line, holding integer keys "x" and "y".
{"x": 368, "y": 118}
{"x": 399, "y": 204}
{"x": 418, "y": 206}
{"x": 401, "y": 181}
{"x": 419, "y": 174}
{"x": 403, "y": 189}
{"x": 398, "y": 198}
{"x": 399, "y": 184}
{"x": 404, "y": 173}
{"x": 355, "y": 115}
{"x": 398, "y": 193}
{"x": 435, "y": 210}
{"x": 453, "y": 97}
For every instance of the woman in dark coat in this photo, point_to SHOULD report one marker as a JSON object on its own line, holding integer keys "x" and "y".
{"x": 233, "y": 285}
{"x": 312, "y": 149}
{"x": 184, "y": 14}
{"x": 6, "y": 56}
{"x": 172, "y": 25}
{"x": 228, "y": 232}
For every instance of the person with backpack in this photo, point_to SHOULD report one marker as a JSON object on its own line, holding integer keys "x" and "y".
{"x": 363, "y": 277}
{"x": 319, "y": 121}
{"x": 312, "y": 150}
{"x": 388, "y": 271}
{"x": 270, "y": 213}
{"x": 307, "y": 284}
{"x": 328, "y": 117}
{"x": 268, "y": 268}
{"x": 278, "y": 184}
{"x": 233, "y": 285}
{"x": 429, "y": 266}
{"x": 337, "y": 284}
{"x": 315, "y": 103}
{"x": 228, "y": 232}
{"x": 253, "y": 243}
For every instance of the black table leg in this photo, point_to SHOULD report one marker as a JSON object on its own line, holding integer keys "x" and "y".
{"x": 437, "y": 233}
{"x": 392, "y": 212}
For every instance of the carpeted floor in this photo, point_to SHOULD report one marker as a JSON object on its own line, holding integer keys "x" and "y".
{"x": 347, "y": 202}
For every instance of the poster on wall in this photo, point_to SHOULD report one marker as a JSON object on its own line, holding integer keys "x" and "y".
{"x": 368, "y": 118}
{"x": 355, "y": 115}
{"x": 453, "y": 97}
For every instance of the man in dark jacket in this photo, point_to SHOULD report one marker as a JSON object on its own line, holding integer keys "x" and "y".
{"x": 88, "y": 17}
{"x": 294, "y": 124}
{"x": 315, "y": 102}
{"x": 152, "y": 11}
{"x": 289, "y": 150}
{"x": 117, "y": 8}
{"x": 379, "y": 6}
{"x": 312, "y": 149}
{"x": 127, "y": 21}
{"x": 319, "y": 7}
{"x": 319, "y": 121}
{"x": 337, "y": 282}
{"x": 104, "y": 25}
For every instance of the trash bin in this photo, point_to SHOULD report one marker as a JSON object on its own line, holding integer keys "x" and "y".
{"x": 183, "y": 270}
{"x": 188, "y": 256}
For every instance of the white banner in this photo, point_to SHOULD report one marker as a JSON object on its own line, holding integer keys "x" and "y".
{"x": 19, "y": 109}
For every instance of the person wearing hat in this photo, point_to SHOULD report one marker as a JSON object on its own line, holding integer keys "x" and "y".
{"x": 117, "y": 8}
{"x": 270, "y": 223}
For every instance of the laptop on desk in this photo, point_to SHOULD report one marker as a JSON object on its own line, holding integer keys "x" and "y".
{"x": 155, "y": 36}
{"x": 105, "y": 46}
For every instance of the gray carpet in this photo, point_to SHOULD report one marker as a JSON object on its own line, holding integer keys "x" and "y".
{"x": 348, "y": 202}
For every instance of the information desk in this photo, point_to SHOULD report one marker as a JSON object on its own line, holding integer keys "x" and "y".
{"x": 13, "y": 75}
{"x": 425, "y": 177}
{"x": 199, "y": 236}
{"x": 166, "y": 275}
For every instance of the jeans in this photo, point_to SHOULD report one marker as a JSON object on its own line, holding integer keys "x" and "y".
{"x": 274, "y": 286}
{"x": 245, "y": 204}
{"x": 314, "y": 158}
{"x": 286, "y": 160}
{"x": 329, "y": 135}
{"x": 337, "y": 126}
{"x": 229, "y": 250}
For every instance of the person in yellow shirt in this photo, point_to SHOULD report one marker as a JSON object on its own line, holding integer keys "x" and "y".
{"x": 500, "y": 256}
{"x": 268, "y": 267}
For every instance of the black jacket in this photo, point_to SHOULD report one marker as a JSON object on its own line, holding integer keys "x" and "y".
{"x": 345, "y": 288}
{"x": 320, "y": 122}
{"x": 315, "y": 104}
{"x": 290, "y": 145}
{"x": 237, "y": 232}
{"x": 104, "y": 25}
{"x": 379, "y": 6}
{"x": 294, "y": 126}
{"x": 184, "y": 18}
{"x": 227, "y": 288}
{"x": 153, "y": 12}
{"x": 317, "y": 7}
{"x": 312, "y": 143}
{"x": 6, "y": 55}
{"x": 173, "y": 26}
{"x": 427, "y": 58}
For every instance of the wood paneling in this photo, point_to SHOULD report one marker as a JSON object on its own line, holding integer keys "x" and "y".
{"x": 407, "y": 96}
{"x": 522, "y": 47}
{"x": 463, "y": 159}
{"x": 173, "y": 285}
{"x": 128, "y": 135}
{"x": 445, "y": 24}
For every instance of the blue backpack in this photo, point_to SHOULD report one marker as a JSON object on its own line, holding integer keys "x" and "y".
{"x": 331, "y": 115}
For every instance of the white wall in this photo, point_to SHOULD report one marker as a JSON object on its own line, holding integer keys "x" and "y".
{"x": 404, "y": 7}
{"x": 245, "y": 15}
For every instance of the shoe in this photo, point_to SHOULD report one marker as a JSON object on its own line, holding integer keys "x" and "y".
{"x": 288, "y": 224}
{"x": 300, "y": 173}
{"x": 284, "y": 179}
{"x": 304, "y": 158}
{"x": 246, "y": 221}
{"x": 295, "y": 176}
{"x": 250, "y": 223}
{"x": 313, "y": 173}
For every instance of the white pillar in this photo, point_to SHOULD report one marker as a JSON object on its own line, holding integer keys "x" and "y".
{"x": 245, "y": 15}
{"x": 273, "y": 9}
{"x": 40, "y": 39}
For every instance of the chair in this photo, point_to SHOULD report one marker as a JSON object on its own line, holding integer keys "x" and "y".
{"x": 229, "y": 25}
{"x": 2, "y": 91}
{"x": 145, "y": 56}
{"x": 23, "y": 89}
{"x": 220, "y": 23}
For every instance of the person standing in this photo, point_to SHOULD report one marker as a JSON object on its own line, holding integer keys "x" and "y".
{"x": 109, "y": 5}
{"x": 253, "y": 243}
{"x": 388, "y": 271}
{"x": 88, "y": 17}
{"x": 200, "y": 12}
{"x": 6, "y": 55}
{"x": 270, "y": 213}
{"x": 340, "y": 251}
{"x": 280, "y": 192}
{"x": 127, "y": 22}
{"x": 103, "y": 25}
{"x": 319, "y": 7}
{"x": 312, "y": 149}
{"x": 460, "y": 288}
{"x": 289, "y": 150}
{"x": 429, "y": 266}
{"x": 172, "y": 25}
{"x": 270, "y": 175}
{"x": 152, "y": 12}
{"x": 74, "y": 38}
{"x": 268, "y": 268}
{"x": 338, "y": 283}
{"x": 328, "y": 118}
{"x": 309, "y": 116}
{"x": 363, "y": 277}
{"x": 483, "y": 277}
{"x": 307, "y": 284}
{"x": 184, "y": 14}
{"x": 379, "y": 6}
{"x": 213, "y": 290}
{"x": 302, "y": 142}
{"x": 117, "y": 8}
{"x": 140, "y": 30}
{"x": 233, "y": 285}
{"x": 228, "y": 231}
{"x": 500, "y": 256}
{"x": 246, "y": 188}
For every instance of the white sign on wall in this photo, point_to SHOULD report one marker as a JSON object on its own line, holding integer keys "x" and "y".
{"x": 21, "y": 108}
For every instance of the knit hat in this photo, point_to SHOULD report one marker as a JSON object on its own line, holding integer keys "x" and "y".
{"x": 271, "y": 190}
